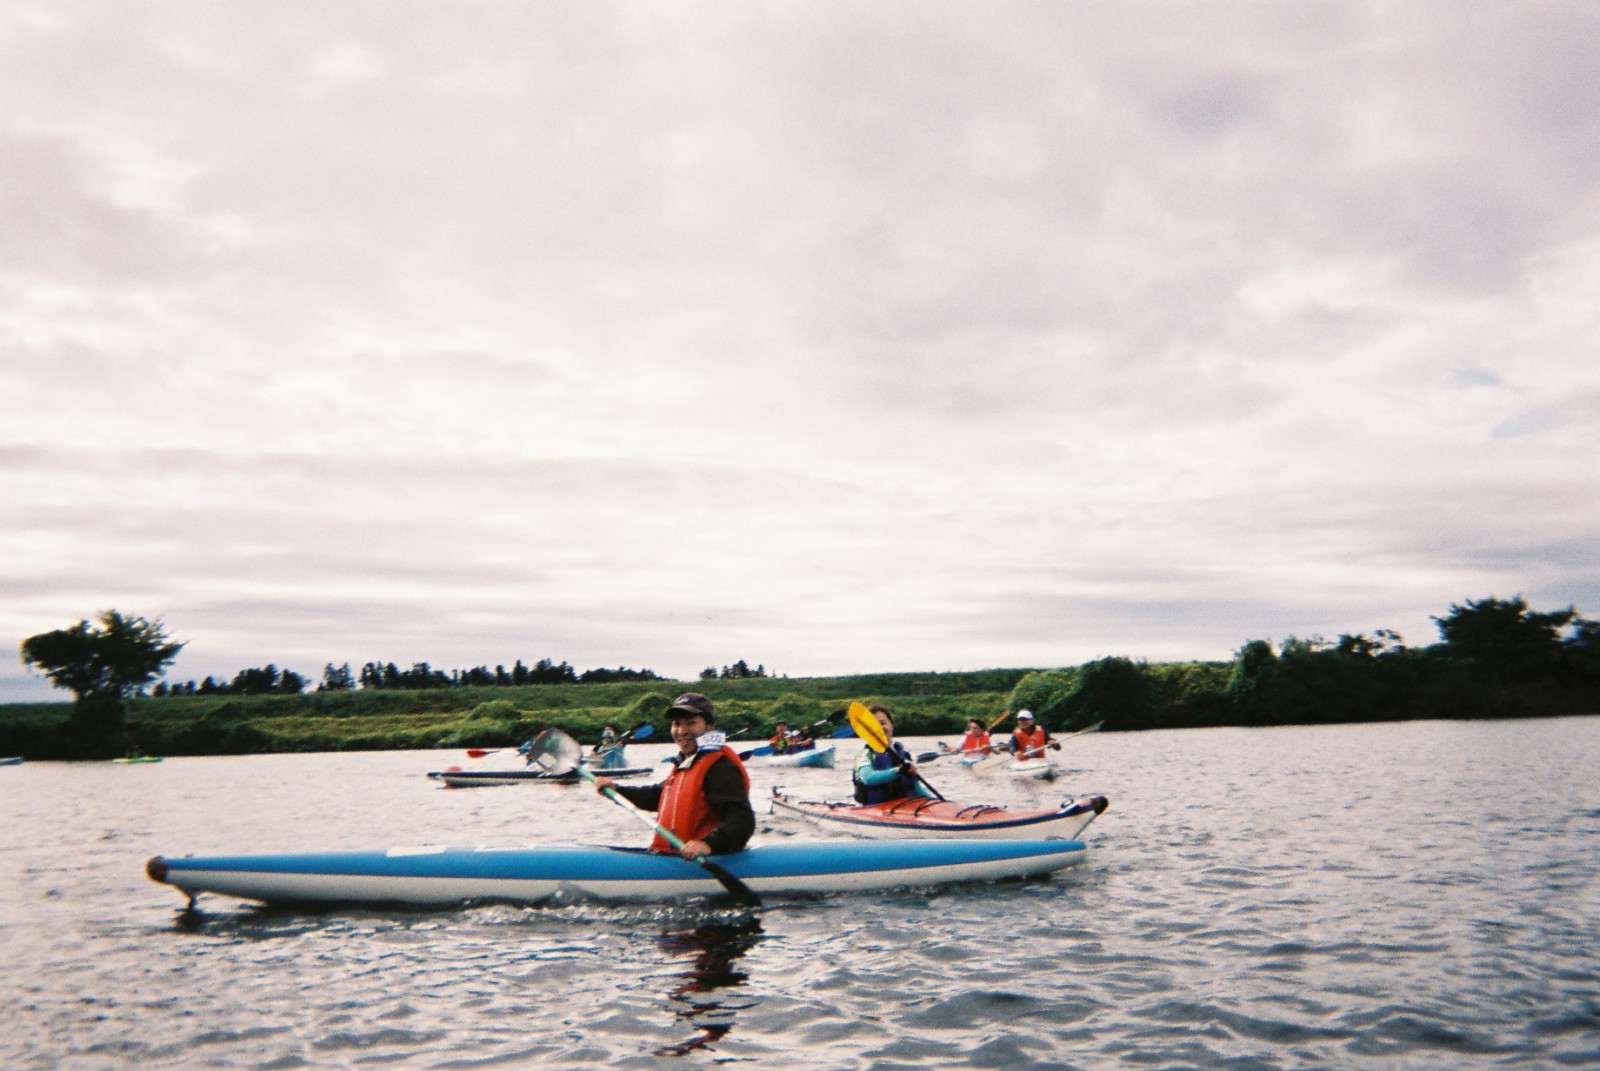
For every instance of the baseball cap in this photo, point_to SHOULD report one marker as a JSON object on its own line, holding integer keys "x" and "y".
{"x": 691, "y": 703}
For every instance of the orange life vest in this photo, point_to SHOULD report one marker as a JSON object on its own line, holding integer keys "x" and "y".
{"x": 978, "y": 741}
{"x": 1029, "y": 745}
{"x": 683, "y": 808}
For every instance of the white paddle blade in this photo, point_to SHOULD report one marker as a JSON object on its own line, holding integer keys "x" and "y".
{"x": 555, "y": 752}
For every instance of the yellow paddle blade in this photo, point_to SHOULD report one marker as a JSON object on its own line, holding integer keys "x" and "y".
{"x": 865, "y": 723}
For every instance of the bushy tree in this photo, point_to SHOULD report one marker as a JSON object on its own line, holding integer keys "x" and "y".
{"x": 116, "y": 658}
{"x": 337, "y": 678}
{"x": 1505, "y": 637}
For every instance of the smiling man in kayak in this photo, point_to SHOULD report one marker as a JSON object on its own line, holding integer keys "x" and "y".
{"x": 705, "y": 800}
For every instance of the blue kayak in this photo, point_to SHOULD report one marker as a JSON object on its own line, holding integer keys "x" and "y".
{"x": 821, "y": 757}
{"x": 451, "y": 875}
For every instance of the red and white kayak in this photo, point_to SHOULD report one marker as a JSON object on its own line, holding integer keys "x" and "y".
{"x": 917, "y": 816}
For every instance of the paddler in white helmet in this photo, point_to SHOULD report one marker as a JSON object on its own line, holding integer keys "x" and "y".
{"x": 1029, "y": 740}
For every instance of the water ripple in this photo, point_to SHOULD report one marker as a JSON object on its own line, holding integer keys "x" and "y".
{"x": 1244, "y": 907}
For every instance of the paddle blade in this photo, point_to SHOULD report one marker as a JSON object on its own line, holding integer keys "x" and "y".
{"x": 555, "y": 751}
{"x": 865, "y": 723}
{"x": 644, "y": 732}
{"x": 478, "y": 752}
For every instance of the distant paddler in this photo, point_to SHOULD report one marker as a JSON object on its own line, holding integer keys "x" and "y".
{"x": 608, "y": 754}
{"x": 1029, "y": 740}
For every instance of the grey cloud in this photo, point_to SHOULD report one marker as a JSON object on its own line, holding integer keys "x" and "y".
{"x": 840, "y": 329}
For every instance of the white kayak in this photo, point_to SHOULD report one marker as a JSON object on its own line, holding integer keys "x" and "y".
{"x": 1038, "y": 769}
{"x": 451, "y": 875}
{"x": 456, "y": 777}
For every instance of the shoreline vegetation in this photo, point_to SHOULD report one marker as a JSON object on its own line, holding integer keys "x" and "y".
{"x": 1496, "y": 659}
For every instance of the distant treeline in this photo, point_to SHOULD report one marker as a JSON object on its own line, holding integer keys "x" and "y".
{"x": 269, "y": 680}
{"x": 1496, "y": 658}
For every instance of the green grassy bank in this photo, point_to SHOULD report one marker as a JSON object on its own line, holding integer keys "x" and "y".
{"x": 1303, "y": 683}
{"x": 496, "y": 716}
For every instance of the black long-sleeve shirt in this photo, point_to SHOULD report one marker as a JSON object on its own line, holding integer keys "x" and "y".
{"x": 727, "y": 797}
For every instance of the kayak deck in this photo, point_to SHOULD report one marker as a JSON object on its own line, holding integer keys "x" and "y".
{"x": 917, "y": 816}
{"x": 450, "y": 875}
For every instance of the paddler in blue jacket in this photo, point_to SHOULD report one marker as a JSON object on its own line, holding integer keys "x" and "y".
{"x": 891, "y": 774}
{"x": 705, "y": 800}
{"x": 608, "y": 752}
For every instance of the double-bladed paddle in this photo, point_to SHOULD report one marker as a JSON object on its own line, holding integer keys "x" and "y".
{"x": 865, "y": 723}
{"x": 559, "y": 753}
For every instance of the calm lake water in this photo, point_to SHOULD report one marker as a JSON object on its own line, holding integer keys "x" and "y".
{"x": 1417, "y": 895}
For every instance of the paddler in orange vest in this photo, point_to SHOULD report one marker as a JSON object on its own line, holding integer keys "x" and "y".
{"x": 977, "y": 738}
{"x": 1029, "y": 740}
{"x": 705, "y": 800}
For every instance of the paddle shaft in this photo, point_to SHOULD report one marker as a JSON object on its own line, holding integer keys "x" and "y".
{"x": 736, "y": 888}
{"x": 1056, "y": 743}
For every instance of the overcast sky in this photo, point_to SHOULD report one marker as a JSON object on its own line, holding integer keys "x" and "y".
{"x": 835, "y": 337}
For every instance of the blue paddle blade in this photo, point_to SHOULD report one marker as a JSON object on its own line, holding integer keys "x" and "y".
{"x": 841, "y": 732}
{"x": 644, "y": 732}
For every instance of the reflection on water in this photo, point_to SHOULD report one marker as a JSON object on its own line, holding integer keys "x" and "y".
{"x": 712, "y": 951}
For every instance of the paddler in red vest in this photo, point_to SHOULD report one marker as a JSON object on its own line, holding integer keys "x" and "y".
{"x": 1029, "y": 740}
{"x": 705, "y": 800}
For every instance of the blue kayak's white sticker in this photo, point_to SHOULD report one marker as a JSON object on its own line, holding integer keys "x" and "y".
{"x": 712, "y": 741}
